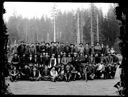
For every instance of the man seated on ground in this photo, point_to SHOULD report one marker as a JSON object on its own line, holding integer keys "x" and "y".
{"x": 100, "y": 69}
{"x": 35, "y": 74}
{"x": 14, "y": 74}
{"x": 61, "y": 73}
{"x": 46, "y": 73}
{"x": 74, "y": 73}
{"x": 54, "y": 74}
{"x": 68, "y": 72}
{"x": 25, "y": 73}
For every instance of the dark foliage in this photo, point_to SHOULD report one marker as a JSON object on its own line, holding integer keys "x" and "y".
{"x": 122, "y": 14}
{"x": 3, "y": 57}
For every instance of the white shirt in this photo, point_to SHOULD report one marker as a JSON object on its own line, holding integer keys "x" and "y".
{"x": 112, "y": 51}
{"x": 100, "y": 66}
{"x": 53, "y": 73}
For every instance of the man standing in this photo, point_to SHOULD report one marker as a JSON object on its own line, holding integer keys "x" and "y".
{"x": 97, "y": 48}
{"x": 72, "y": 49}
{"x": 52, "y": 49}
{"x": 87, "y": 50}
{"x": 67, "y": 49}
{"x": 47, "y": 48}
{"x": 103, "y": 49}
{"x": 81, "y": 48}
{"x": 21, "y": 49}
{"x": 42, "y": 47}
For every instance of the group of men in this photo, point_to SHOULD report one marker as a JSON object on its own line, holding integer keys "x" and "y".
{"x": 59, "y": 61}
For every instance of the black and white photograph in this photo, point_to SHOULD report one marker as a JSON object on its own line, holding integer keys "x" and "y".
{"x": 63, "y": 48}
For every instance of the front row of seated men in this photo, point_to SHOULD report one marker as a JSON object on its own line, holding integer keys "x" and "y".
{"x": 57, "y": 69}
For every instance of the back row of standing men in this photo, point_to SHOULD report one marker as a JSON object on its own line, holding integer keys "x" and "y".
{"x": 57, "y": 48}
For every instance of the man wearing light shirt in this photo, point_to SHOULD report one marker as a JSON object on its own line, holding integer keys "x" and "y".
{"x": 54, "y": 74}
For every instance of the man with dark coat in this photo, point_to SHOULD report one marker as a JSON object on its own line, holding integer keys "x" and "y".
{"x": 25, "y": 72}
{"x": 35, "y": 74}
{"x": 21, "y": 49}
{"x": 52, "y": 49}
{"x": 23, "y": 61}
{"x": 30, "y": 61}
{"x": 37, "y": 46}
{"x": 42, "y": 47}
{"x": 14, "y": 74}
{"x": 73, "y": 73}
{"x": 47, "y": 48}
{"x": 103, "y": 49}
{"x": 47, "y": 59}
{"x": 58, "y": 62}
{"x": 92, "y": 50}
{"x": 61, "y": 49}
{"x": 67, "y": 49}
{"x": 97, "y": 58}
{"x": 75, "y": 61}
{"x": 15, "y": 61}
{"x": 36, "y": 60}
{"x": 27, "y": 48}
{"x": 61, "y": 73}
{"x": 72, "y": 49}
{"x": 42, "y": 59}
{"x": 58, "y": 50}
{"x": 81, "y": 63}
{"x": 46, "y": 65}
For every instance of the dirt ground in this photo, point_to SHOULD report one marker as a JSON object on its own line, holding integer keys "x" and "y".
{"x": 80, "y": 87}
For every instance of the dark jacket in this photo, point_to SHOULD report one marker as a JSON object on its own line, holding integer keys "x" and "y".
{"x": 21, "y": 50}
